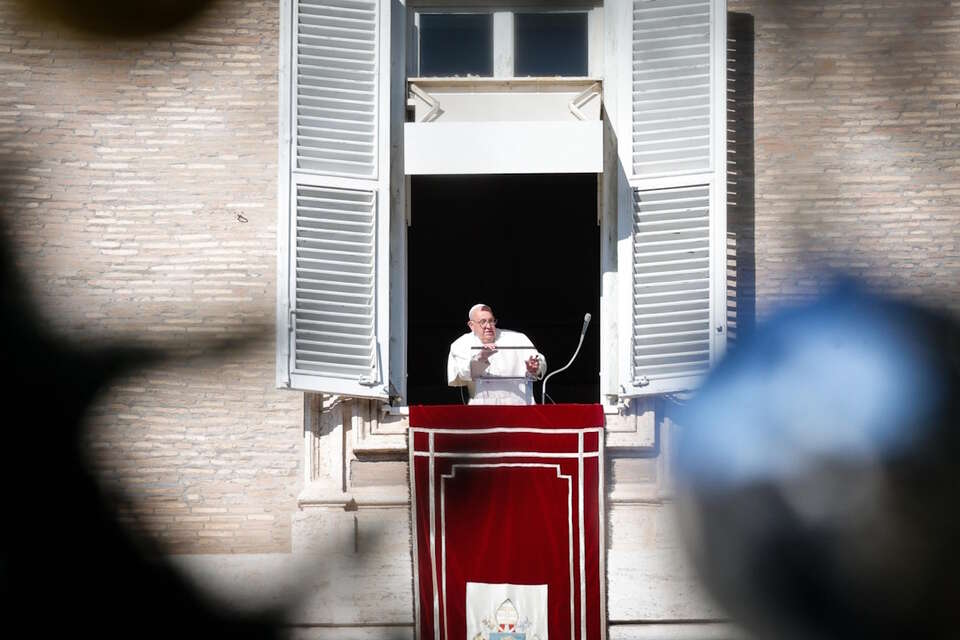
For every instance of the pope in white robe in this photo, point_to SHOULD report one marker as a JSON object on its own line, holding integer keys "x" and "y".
{"x": 497, "y": 366}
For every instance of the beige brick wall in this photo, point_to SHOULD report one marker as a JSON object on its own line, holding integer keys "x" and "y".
{"x": 143, "y": 178}
{"x": 857, "y": 124}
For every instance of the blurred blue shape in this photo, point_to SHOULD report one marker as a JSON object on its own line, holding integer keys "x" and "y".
{"x": 847, "y": 378}
{"x": 816, "y": 469}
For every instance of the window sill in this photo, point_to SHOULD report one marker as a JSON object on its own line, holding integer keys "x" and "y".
{"x": 633, "y": 429}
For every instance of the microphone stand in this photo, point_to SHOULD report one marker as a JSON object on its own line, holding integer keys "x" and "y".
{"x": 583, "y": 332}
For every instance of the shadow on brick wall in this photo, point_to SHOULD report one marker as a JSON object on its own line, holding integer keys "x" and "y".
{"x": 68, "y": 564}
{"x": 741, "y": 172}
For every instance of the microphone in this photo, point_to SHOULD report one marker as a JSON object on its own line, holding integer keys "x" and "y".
{"x": 583, "y": 332}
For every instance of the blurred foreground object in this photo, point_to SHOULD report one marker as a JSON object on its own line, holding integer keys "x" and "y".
{"x": 68, "y": 567}
{"x": 817, "y": 471}
{"x": 117, "y": 17}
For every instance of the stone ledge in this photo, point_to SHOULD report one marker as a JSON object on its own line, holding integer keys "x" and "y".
{"x": 322, "y": 496}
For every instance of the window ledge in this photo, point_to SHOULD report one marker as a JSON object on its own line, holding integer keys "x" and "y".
{"x": 318, "y": 495}
{"x": 504, "y": 99}
{"x": 385, "y": 431}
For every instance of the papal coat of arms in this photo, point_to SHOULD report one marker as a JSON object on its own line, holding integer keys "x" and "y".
{"x": 507, "y": 612}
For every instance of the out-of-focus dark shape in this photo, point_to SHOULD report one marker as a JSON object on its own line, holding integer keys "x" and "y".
{"x": 67, "y": 566}
{"x": 118, "y": 17}
{"x": 817, "y": 471}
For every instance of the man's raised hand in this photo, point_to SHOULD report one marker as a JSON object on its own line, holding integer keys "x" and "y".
{"x": 533, "y": 365}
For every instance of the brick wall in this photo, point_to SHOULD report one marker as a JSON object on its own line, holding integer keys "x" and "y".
{"x": 142, "y": 179}
{"x": 856, "y": 123}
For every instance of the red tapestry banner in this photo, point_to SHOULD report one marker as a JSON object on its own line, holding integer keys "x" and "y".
{"x": 508, "y": 521}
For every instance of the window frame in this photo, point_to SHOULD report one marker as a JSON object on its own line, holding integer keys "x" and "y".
{"x": 609, "y": 32}
{"x": 504, "y": 32}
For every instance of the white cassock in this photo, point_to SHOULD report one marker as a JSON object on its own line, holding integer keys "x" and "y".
{"x": 503, "y": 378}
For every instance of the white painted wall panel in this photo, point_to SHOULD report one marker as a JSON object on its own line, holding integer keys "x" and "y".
{"x": 503, "y": 147}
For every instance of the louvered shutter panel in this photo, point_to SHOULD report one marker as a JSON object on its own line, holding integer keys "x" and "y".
{"x": 671, "y": 86}
{"x": 334, "y": 327}
{"x": 671, "y": 282}
{"x": 336, "y": 87}
{"x": 678, "y": 196}
{"x": 337, "y": 206}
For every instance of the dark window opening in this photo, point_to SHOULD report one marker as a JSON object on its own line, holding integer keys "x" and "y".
{"x": 456, "y": 44}
{"x": 527, "y": 245}
{"x": 550, "y": 44}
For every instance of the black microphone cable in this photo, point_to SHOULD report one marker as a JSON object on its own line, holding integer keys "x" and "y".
{"x": 583, "y": 332}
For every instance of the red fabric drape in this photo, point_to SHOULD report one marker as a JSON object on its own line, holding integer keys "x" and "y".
{"x": 508, "y": 495}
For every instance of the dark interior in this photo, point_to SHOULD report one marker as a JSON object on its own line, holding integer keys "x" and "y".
{"x": 527, "y": 245}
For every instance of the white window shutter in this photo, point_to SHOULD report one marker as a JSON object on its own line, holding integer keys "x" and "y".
{"x": 336, "y": 87}
{"x": 673, "y": 271}
{"x": 335, "y": 192}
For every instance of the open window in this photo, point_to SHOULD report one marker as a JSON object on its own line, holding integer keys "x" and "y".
{"x": 528, "y": 245}
{"x": 348, "y": 320}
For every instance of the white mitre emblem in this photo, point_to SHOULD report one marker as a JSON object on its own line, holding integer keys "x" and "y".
{"x": 506, "y": 611}
{"x": 507, "y": 616}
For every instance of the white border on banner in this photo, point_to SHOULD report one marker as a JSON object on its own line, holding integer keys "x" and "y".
{"x": 602, "y": 538}
{"x": 508, "y": 454}
{"x": 443, "y": 528}
{"x": 583, "y": 579}
{"x": 431, "y": 456}
{"x": 414, "y": 528}
{"x": 433, "y": 548}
